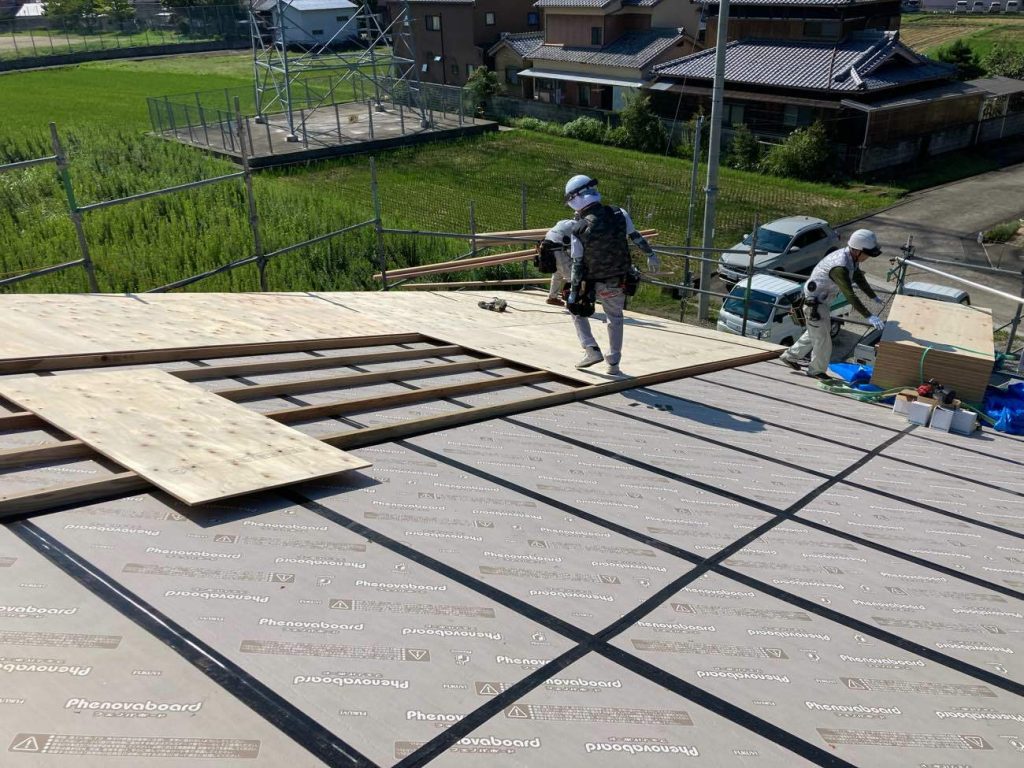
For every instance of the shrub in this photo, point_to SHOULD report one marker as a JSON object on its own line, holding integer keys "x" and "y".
{"x": 527, "y": 123}
{"x": 966, "y": 61}
{"x": 483, "y": 84}
{"x": 617, "y": 136}
{"x": 744, "y": 151}
{"x": 645, "y": 130}
{"x": 585, "y": 129}
{"x": 1005, "y": 61}
{"x": 805, "y": 154}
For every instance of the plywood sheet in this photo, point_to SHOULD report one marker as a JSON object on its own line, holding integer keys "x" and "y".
{"x": 196, "y": 446}
{"x": 650, "y": 345}
{"x": 925, "y": 339}
{"x": 37, "y": 325}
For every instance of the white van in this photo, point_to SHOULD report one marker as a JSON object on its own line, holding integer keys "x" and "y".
{"x": 1012, "y": 6}
{"x": 769, "y": 317}
{"x": 961, "y": 6}
{"x": 995, "y": 7}
{"x": 978, "y": 6}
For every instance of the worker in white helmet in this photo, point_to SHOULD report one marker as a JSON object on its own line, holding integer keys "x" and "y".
{"x": 599, "y": 251}
{"x": 834, "y": 274}
{"x": 557, "y": 243}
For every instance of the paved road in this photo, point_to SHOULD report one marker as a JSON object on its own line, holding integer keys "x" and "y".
{"x": 945, "y": 222}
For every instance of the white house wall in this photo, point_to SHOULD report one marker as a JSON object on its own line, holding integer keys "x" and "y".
{"x": 300, "y": 25}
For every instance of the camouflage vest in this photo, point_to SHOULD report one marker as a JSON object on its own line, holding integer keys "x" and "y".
{"x": 605, "y": 248}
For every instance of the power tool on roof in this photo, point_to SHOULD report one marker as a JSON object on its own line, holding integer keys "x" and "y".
{"x": 494, "y": 305}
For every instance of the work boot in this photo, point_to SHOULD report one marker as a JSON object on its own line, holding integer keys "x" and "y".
{"x": 821, "y": 376}
{"x": 791, "y": 363}
{"x": 613, "y": 369}
{"x": 556, "y": 302}
{"x": 592, "y": 357}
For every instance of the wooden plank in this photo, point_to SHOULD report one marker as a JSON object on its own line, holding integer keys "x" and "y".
{"x": 196, "y": 446}
{"x": 310, "y": 412}
{"x": 172, "y": 354}
{"x": 518, "y": 282}
{"x": 314, "y": 363}
{"x": 257, "y": 391}
{"x": 360, "y": 438}
{"x": 75, "y": 493}
{"x": 37, "y": 454}
{"x": 459, "y": 265}
{"x": 127, "y": 482}
{"x": 25, "y": 420}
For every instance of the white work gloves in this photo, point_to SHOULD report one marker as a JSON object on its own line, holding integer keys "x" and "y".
{"x": 653, "y": 263}
{"x": 877, "y": 322}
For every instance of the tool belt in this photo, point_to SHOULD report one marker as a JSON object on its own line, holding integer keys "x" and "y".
{"x": 631, "y": 281}
{"x": 545, "y": 261}
{"x": 797, "y": 312}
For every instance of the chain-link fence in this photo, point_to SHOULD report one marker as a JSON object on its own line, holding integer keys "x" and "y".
{"x": 135, "y": 25}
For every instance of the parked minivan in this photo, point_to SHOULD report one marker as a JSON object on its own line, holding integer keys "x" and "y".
{"x": 769, "y": 317}
{"x": 961, "y": 6}
{"x": 1013, "y": 6}
{"x": 995, "y": 7}
{"x": 978, "y": 7}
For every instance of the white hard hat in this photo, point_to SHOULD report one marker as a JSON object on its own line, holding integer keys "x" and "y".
{"x": 561, "y": 232}
{"x": 864, "y": 240}
{"x": 577, "y": 184}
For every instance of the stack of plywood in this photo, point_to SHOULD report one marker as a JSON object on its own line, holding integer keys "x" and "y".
{"x": 926, "y": 339}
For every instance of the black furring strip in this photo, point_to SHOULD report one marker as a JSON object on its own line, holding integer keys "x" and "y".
{"x": 802, "y": 406}
{"x": 791, "y": 510}
{"x": 716, "y": 566}
{"x": 868, "y": 629}
{"x": 585, "y": 643}
{"x": 722, "y": 707}
{"x": 290, "y": 720}
{"x": 502, "y": 598}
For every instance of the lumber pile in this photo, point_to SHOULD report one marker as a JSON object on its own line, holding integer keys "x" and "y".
{"x": 926, "y": 339}
{"x": 476, "y": 262}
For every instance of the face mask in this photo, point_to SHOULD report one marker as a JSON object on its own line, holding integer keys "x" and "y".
{"x": 579, "y": 202}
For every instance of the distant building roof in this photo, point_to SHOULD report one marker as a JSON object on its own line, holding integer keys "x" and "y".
{"x": 305, "y": 5}
{"x": 864, "y": 61}
{"x": 999, "y": 85}
{"x": 572, "y": 3}
{"x": 522, "y": 43}
{"x": 443, "y": 2}
{"x": 633, "y": 49}
{"x": 943, "y": 92}
{"x": 31, "y": 9}
{"x": 796, "y": 3}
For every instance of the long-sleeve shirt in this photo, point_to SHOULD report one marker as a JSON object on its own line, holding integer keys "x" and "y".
{"x": 841, "y": 278}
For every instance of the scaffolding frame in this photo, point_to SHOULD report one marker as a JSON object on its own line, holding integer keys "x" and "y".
{"x": 374, "y": 65}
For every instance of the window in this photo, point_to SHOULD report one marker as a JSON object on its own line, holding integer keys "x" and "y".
{"x": 469, "y": 69}
{"x": 489, "y": 19}
{"x": 317, "y": 33}
{"x": 433, "y": 23}
{"x": 342, "y": 19}
{"x": 584, "y": 95}
{"x": 455, "y": 69}
{"x": 806, "y": 238}
{"x": 533, "y": 19}
{"x": 596, "y": 35}
{"x": 822, "y": 30}
{"x": 512, "y": 75}
{"x": 733, "y": 114}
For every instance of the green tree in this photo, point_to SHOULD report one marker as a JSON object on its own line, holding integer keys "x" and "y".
{"x": 960, "y": 53}
{"x": 1004, "y": 60}
{"x": 744, "y": 150}
{"x": 482, "y": 85}
{"x": 645, "y": 130}
{"x": 69, "y": 11}
{"x": 805, "y": 154}
{"x": 118, "y": 10}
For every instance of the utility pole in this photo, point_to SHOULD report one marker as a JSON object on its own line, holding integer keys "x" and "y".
{"x": 714, "y": 149}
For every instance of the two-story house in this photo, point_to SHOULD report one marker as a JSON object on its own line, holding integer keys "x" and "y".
{"x": 790, "y": 63}
{"x": 451, "y": 37}
{"x": 593, "y": 51}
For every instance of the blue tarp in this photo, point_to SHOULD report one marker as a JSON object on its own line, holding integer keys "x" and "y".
{"x": 858, "y": 377}
{"x": 1006, "y": 408}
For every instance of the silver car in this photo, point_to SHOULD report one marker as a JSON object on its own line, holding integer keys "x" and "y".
{"x": 793, "y": 244}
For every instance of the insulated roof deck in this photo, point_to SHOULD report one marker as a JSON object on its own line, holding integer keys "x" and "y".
{"x": 728, "y": 569}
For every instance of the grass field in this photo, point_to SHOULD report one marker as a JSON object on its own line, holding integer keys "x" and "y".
{"x": 928, "y": 32}
{"x": 101, "y": 108}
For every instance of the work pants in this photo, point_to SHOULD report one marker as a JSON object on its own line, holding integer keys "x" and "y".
{"x": 613, "y": 300}
{"x": 817, "y": 339}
